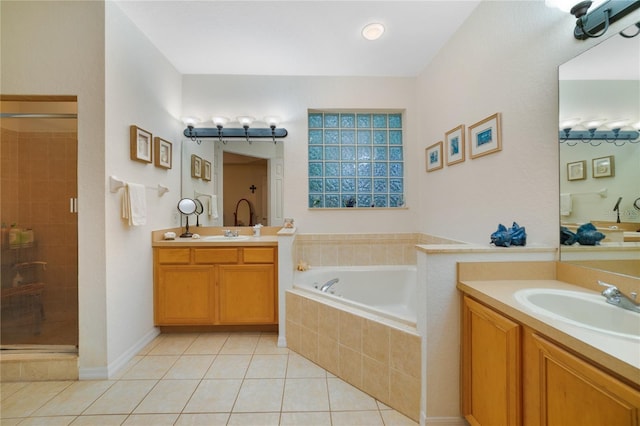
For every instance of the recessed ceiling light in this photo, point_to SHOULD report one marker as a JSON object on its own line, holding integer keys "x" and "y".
{"x": 373, "y": 31}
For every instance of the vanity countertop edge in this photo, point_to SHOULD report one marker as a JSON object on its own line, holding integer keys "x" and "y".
{"x": 268, "y": 237}
{"x": 617, "y": 354}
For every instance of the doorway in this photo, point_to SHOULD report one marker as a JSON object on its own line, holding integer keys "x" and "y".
{"x": 38, "y": 194}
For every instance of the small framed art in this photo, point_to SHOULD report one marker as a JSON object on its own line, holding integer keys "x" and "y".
{"x": 433, "y": 156}
{"x": 577, "y": 170}
{"x": 141, "y": 145}
{"x": 162, "y": 149}
{"x": 196, "y": 166}
{"x": 485, "y": 136}
{"x": 603, "y": 167}
{"x": 206, "y": 170}
{"x": 454, "y": 145}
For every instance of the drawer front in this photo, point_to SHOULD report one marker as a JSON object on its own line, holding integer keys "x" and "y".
{"x": 217, "y": 255}
{"x": 259, "y": 255}
{"x": 174, "y": 256}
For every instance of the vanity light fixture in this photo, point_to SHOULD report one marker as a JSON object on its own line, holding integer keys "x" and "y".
{"x": 373, "y": 31}
{"x": 611, "y": 132}
{"x": 223, "y": 133}
{"x": 589, "y": 23}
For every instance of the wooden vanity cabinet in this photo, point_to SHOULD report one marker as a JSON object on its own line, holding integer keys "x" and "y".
{"x": 513, "y": 375}
{"x": 215, "y": 286}
{"x": 563, "y": 389}
{"x": 490, "y": 366}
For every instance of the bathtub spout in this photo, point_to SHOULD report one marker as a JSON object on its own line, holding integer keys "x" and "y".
{"x": 326, "y": 286}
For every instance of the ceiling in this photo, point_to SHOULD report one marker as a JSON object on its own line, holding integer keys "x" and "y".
{"x": 297, "y": 37}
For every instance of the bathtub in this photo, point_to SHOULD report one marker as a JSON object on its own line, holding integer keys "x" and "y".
{"x": 386, "y": 291}
{"x": 363, "y": 329}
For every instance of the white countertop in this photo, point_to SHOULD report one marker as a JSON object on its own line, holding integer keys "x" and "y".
{"x": 617, "y": 354}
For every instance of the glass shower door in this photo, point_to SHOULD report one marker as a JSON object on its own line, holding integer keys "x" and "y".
{"x": 39, "y": 257}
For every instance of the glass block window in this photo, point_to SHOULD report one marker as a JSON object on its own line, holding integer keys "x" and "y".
{"x": 356, "y": 159}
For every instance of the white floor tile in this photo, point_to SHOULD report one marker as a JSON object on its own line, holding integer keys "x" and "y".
{"x": 356, "y": 418}
{"x": 121, "y": 398}
{"x": 216, "y": 419}
{"x": 213, "y": 396}
{"x": 30, "y": 398}
{"x": 190, "y": 367}
{"x": 168, "y": 396}
{"x": 259, "y": 395}
{"x": 306, "y": 419}
{"x": 150, "y": 367}
{"x": 102, "y": 420}
{"x": 73, "y": 400}
{"x": 150, "y": 420}
{"x": 305, "y": 395}
{"x": 228, "y": 367}
{"x": 267, "y": 367}
{"x": 344, "y": 397}
{"x": 254, "y": 419}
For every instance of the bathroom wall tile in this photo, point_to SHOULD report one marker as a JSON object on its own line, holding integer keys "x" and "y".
{"x": 405, "y": 394}
{"x": 328, "y": 322}
{"x": 375, "y": 341}
{"x": 351, "y": 331}
{"x": 309, "y": 345}
{"x": 293, "y": 335}
{"x": 350, "y": 365}
{"x": 405, "y": 352}
{"x": 346, "y": 255}
{"x": 379, "y": 253}
{"x": 329, "y": 254}
{"x": 293, "y": 307}
{"x": 375, "y": 378}
{"x": 10, "y": 371}
{"x": 309, "y": 314}
{"x": 328, "y": 354}
{"x": 362, "y": 254}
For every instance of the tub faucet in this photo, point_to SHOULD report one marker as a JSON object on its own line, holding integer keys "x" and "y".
{"x": 618, "y": 298}
{"x": 326, "y": 286}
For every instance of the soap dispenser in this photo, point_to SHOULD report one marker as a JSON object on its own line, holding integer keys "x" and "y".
{"x": 256, "y": 230}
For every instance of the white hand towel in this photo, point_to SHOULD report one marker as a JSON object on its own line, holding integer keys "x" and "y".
{"x": 565, "y": 204}
{"x": 134, "y": 204}
{"x": 213, "y": 206}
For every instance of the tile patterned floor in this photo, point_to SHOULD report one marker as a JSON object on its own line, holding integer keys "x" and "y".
{"x": 201, "y": 379}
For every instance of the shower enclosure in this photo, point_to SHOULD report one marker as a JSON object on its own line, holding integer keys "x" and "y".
{"x": 38, "y": 210}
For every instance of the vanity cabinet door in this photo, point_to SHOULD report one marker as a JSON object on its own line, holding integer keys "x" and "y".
{"x": 246, "y": 294}
{"x": 184, "y": 295}
{"x": 491, "y": 358}
{"x": 564, "y": 390}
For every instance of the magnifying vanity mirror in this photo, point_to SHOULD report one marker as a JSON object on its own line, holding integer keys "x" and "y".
{"x": 599, "y": 91}
{"x": 187, "y": 207}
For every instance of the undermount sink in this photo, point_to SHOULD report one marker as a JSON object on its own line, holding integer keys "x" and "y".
{"x": 582, "y": 309}
{"x": 221, "y": 238}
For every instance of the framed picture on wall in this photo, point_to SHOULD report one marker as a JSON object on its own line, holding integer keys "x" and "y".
{"x": 577, "y": 170}
{"x": 433, "y": 156}
{"x": 163, "y": 153}
{"x": 485, "y": 136}
{"x": 603, "y": 167}
{"x": 206, "y": 170}
{"x": 141, "y": 145}
{"x": 196, "y": 166}
{"x": 454, "y": 145}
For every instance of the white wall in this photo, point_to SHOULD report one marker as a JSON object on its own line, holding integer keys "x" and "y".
{"x": 504, "y": 59}
{"x": 142, "y": 88}
{"x": 57, "y": 48}
{"x": 289, "y": 98}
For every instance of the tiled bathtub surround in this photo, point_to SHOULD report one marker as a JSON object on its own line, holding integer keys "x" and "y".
{"x": 361, "y": 249}
{"x": 382, "y": 360}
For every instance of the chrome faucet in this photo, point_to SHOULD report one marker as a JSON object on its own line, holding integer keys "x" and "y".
{"x": 618, "y": 298}
{"x": 326, "y": 286}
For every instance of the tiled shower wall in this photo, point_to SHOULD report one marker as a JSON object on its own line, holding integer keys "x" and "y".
{"x": 361, "y": 249}
{"x": 38, "y": 177}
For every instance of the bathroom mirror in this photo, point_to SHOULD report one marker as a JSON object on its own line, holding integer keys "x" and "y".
{"x": 601, "y": 83}
{"x": 240, "y": 170}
